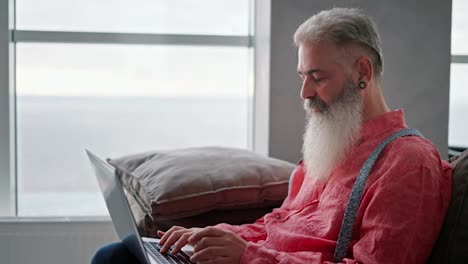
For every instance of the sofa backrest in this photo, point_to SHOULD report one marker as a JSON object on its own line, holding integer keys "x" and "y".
{"x": 452, "y": 245}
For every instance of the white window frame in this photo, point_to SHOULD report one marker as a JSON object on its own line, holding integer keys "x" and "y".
{"x": 8, "y": 205}
{"x": 9, "y": 36}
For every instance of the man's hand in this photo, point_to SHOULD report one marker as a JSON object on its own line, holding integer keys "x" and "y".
{"x": 177, "y": 236}
{"x": 212, "y": 245}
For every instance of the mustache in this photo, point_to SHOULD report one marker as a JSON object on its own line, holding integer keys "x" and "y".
{"x": 315, "y": 102}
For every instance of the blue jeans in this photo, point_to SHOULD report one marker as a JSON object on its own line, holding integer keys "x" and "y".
{"x": 115, "y": 253}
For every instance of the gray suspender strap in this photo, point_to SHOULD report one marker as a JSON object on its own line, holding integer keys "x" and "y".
{"x": 346, "y": 230}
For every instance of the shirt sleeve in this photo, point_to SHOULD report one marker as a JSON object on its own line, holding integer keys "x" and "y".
{"x": 403, "y": 216}
{"x": 258, "y": 254}
{"x": 400, "y": 223}
{"x": 249, "y": 232}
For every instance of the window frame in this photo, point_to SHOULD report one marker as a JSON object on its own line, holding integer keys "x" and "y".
{"x": 9, "y": 37}
{"x": 8, "y": 205}
{"x": 459, "y": 58}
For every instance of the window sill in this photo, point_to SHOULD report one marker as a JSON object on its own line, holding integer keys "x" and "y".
{"x": 70, "y": 219}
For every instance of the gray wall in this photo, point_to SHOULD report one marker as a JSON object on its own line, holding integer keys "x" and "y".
{"x": 416, "y": 47}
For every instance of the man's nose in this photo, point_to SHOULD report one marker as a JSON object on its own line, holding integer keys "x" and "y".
{"x": 308, "y": 89}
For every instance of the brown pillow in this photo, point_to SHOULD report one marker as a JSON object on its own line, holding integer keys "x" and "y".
{"x": 452, "y": 245}
{"x": 183, "y": 183}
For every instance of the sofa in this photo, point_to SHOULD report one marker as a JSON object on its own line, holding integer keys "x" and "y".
{"x": 205, "y": 186}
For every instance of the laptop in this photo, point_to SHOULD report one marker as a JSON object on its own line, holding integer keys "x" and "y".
{"x": 145, "y": 249}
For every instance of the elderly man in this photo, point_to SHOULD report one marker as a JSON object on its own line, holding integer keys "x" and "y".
{"x": 404, "y": 197}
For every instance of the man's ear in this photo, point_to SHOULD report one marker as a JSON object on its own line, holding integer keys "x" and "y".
{"x": 365, "y": 69}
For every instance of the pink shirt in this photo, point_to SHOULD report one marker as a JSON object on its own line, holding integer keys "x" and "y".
{"x": 402, "y": 209}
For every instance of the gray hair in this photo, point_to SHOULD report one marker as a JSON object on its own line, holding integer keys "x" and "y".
{"x": 344, "y": 26}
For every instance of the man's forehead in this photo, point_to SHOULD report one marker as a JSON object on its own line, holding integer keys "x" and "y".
{"x": 317, "y": 56}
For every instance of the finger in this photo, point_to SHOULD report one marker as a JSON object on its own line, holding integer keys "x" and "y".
{"x": 181, "y": 243}
{"x": 209, "y": 253}
{"x": 206, "y": 232}
{"x": 160, "y": 233}
{"x": 173, "y": 238}
{"x": 168, "y": 234}
{"x": 208, "y": 242}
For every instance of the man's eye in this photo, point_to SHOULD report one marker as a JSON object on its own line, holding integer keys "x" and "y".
{"x": 317, "y": 80}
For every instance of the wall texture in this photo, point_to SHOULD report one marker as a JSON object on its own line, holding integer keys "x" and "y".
{"x": 416, "y": 46}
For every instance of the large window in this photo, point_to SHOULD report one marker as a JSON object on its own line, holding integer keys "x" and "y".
{"x": 458, "y": 127}
{"x": 120, "y": 77}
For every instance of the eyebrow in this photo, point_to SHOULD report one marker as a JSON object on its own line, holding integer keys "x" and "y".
{"x": 308, "y": 72}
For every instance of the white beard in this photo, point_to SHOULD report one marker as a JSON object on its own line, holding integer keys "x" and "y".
{"x": 331, "y": 133}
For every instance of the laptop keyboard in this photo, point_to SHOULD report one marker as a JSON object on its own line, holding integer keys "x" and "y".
{"x": 153, "y": 248}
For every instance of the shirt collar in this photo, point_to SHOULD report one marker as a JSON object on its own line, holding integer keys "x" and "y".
{"x": 383, "y": 124}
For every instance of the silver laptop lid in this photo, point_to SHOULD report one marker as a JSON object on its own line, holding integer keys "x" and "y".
{"x": 118, "y": 207}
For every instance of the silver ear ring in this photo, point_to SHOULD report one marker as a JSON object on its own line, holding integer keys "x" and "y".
{"x": 362, "y": 85}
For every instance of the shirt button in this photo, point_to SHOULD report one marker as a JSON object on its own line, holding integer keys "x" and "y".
{"x": 278, "y": 216}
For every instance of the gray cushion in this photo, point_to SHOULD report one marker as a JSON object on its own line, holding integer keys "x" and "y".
{"x": 183, "y": 183}
{"x": 452, "y": 245}
{"x": 148, "y": 227}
